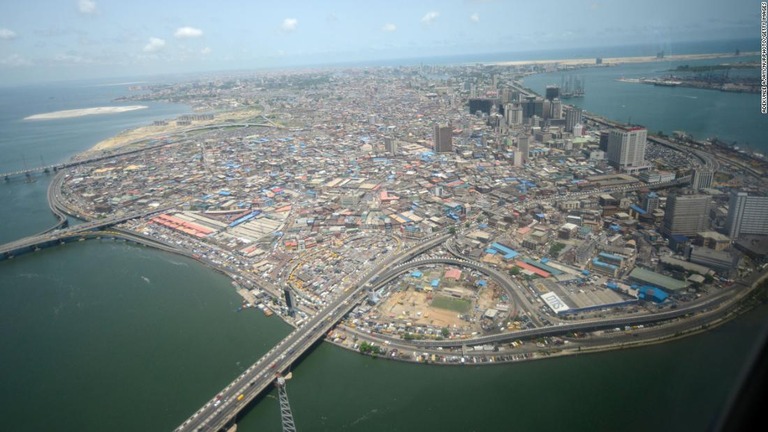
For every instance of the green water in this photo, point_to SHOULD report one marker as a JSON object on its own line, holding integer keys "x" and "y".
{"x": 669, "y": 387}
{"x": 105, "y": 336}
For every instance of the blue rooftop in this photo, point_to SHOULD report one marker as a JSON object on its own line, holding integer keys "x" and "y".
{"x": 508, "y": 252}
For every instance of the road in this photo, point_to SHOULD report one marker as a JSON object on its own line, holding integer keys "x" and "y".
{"x": 222, "y": 409}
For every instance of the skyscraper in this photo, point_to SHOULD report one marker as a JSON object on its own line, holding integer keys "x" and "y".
{"x": 702, "y": 178}
{"x": 572, "y": 117}
{"x": 626, "y": 147}
{"x": 747, "y": 215}
{"x": 443, "y": 139}
{"x": 523, "y": 147}
{"x": 686, "y": 215}
{"x": 390, "y": 146}
{"x": 552, "y": 92}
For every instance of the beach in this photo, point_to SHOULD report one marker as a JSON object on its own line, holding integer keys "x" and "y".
{"x": 143, "y": 133}
{"x": 84, "y": 112}
{"x": 606, "y": 61}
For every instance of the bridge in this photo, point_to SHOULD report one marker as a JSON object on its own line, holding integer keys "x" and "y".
{"x": 27, "y": 172}
{"x": 53, "y": 238}
{"x": 222, "y": 410}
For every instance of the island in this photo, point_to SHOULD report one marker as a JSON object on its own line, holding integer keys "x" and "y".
{"x": 396, "y": 213}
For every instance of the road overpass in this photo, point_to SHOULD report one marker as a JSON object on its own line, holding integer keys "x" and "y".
{"x": 222, "y": 410}
{"x": 47, "y": 239}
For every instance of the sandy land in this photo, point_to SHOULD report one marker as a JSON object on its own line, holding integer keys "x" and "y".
{"x": 157, "y": 131}
{"x": 84, "y": 112}
{"x": 621, "y": 60}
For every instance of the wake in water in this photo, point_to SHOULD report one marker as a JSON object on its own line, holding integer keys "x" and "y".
{"x": 146, "y": 279}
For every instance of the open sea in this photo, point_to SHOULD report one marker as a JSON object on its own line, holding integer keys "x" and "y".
{"x": 104, "y": 335}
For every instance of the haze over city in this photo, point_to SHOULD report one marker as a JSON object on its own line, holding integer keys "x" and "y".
{"x": 61, "y": 40}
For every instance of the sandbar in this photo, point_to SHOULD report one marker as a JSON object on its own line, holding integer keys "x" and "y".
{"x": 84, "y": 112}
{"x": 621, "y": 60}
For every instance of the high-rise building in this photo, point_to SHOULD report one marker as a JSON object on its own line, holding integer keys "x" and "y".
{"x": 686, "y": 215}
{"x": 604, "y": 140}
{"x": 572, "y": 117}
{"x": 747, "y": 215}
{"x": 626, "y": 147}
{"x": 514, "y": 114}
{"x": 523, "y": 146}
{"x": 552, "y": 92}
{"x": 557, "y": 109}
{"x": 651, "y": 201}
{"x": 443, "y": 139}
{"x": 390, "y": 146}
{"x": 702, "y": 178}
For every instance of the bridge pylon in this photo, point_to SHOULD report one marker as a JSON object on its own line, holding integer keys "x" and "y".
{"x": 285, "y": 407}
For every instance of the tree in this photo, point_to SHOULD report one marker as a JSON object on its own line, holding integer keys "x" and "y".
{"x": 452, "y": 230}
{"x": 445, "y": 332}
{"x": 514, "y": 271}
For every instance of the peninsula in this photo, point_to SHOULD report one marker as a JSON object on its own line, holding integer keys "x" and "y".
{"x": 84, "y": 112}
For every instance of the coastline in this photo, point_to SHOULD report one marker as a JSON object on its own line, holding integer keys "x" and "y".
{"x": 613, "y": 61}
{"x": 82, "y": 112}
{"x": 143, "y": 133}
{"x": 146, "y": 132}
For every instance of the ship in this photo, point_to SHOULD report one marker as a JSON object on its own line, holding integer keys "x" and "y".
{"x": 572, "y": 87}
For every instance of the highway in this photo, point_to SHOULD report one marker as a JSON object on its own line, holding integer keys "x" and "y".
{"x": 220, "y": 411}
{"x": 32, "y": 241}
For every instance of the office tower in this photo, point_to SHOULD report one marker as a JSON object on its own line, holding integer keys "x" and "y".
{"x": 747, "y": 215}
{"x": 481, "y": 104}
{"x": 604, "y": 140}
{"x": 626, "y": 147}
{"x": 523, "y": 146}
{"x": 573, "y": 117}
{"x": 546, "y": 108}
{"x": 443, "y": 139}
{"x": 552, "y": 92}
{"x": 686, "y": 215}
{"x": 650, "y": 202}
{"x": 578, "y": 130}
{"x": 557, "y": 109}
{"x": 515, "y": 115}
{"x": 702, "y": 178}
{"x": 532, "y": 106}
{"x": 390, "y": 146}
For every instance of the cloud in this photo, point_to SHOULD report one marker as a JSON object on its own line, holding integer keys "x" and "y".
{"x": 430, "y": 17}
{"x": 7, "y": 34}
{"x": 188, "y": 32}
{"x": 289, "y": 24}
{"x": 205, "y": 51}
{"x": 86, "y": 6}
{"x": 389, "y": 27}
{"x": 475, "y": 17}
{"x": 154, "y": 45}
{"x": 14, "y": 60}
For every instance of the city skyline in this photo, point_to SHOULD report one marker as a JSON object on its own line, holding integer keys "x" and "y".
{"x": 100, "y": 38}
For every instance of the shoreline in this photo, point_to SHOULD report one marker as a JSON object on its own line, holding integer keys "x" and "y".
{"x": 613, "y": 61}
{"x": 82, "y": 112}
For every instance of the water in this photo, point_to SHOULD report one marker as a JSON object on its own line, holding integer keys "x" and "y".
{"x": 110, "y": 336}
{"x": 102, "y": 335}
{"x": 702, "y": 113}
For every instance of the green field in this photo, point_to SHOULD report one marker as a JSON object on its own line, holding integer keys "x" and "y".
{"x": 450, "y": 303}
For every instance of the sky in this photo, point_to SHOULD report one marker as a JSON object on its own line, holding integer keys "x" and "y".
{"x": 52, "y": 40}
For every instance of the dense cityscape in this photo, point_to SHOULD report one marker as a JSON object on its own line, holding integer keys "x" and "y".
{"x": 548, "y": 230}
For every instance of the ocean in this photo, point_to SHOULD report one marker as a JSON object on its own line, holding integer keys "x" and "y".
{"x": 732, "y": 117}
{"x": 107, "y": 335}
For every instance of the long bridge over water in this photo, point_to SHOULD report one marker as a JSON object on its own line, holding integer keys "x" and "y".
{"x": 57, "y": 237}
{"x": 222, "y": 410}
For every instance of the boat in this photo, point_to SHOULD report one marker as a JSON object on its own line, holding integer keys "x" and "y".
{"x": 267, "y": 311}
